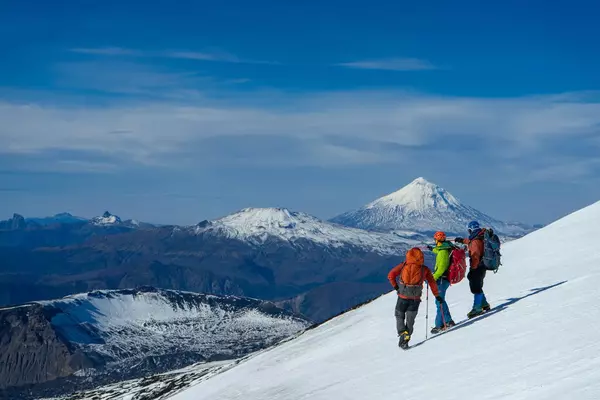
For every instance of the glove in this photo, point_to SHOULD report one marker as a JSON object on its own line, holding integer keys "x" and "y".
{"x": 430, "y": 247}
{"x": 439, "y": 299}
{"x": 459, "y": 240}
{"x": 396, "y": 288}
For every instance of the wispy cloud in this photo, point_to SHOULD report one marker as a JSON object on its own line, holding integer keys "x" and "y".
{"x": 117, "y": 76}
{"x": 211, "y": 55}
{"x": 81, "y": 166}
{"x": 392, "y": 64}
{"x": 204, "y": 56}
{"x": 107, "y": 51}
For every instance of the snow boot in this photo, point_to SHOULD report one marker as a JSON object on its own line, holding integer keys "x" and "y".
{"x": 436, "y": 330}
{"x": 450, "y": 324}
{"x": 404, "y": 338}
{"x": 484, "y": 304}
{"x": 475, "y": 312}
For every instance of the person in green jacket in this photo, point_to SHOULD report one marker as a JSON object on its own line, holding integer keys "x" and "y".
{"x": 442, "y": 251}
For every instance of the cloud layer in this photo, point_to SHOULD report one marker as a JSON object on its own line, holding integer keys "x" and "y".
{"x": 556, "y": 137}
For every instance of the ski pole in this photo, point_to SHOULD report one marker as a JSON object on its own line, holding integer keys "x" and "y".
{"x": 427, "y": 311}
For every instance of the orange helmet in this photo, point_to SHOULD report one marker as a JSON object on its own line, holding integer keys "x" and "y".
{"x": 439, "y": 236}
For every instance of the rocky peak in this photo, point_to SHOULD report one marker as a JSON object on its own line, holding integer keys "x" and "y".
{"x": 18, "y": 222}
{"x": 106, "y": 219}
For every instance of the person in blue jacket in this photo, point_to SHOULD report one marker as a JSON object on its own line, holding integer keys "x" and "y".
{"x": 477, "y": 270}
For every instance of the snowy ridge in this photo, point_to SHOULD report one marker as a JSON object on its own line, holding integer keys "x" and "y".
{"x": 539, "y": 341}
{"x": 424, "y": 207}
{"x": 61, "y": 218}
{"x": 257, "y": 225}
{"x": 126, "y": 326}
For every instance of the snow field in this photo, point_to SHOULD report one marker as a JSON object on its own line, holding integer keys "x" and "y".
{"x": 542, "y": 344}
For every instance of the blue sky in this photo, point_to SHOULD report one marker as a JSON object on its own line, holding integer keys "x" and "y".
{"x": 179, "y": 112}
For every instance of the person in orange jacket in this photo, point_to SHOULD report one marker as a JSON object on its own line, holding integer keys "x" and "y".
{"x": 477, "y": 270}
{"x": 407, "y": 279}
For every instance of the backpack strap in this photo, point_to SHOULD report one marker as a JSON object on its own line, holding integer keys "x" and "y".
{"x": 399, "y": 278}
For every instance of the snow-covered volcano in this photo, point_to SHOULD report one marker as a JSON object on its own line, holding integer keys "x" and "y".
{"x": 116, "y": 334}
{"x": 118, "y": 323}
{"x": 425, "y": 207}
{"x": 539, "y": 342}
{"x": 258, "y": 225}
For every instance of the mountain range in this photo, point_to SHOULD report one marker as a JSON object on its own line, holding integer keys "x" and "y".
{"x": 312, "y": 267}
{"x": 273, "y": 254}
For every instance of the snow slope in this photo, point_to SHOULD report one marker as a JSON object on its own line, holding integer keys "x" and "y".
{"x": 539, "y": 342}
{"x": 423, "y": 206}
{"x": 257, "y": 225}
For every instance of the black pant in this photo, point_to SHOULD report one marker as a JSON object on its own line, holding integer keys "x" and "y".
{"x": 476, "y": 277}
{"x": 406, "y": 312}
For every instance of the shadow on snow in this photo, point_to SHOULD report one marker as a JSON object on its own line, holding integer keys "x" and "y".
{"x": 499, "y": 308}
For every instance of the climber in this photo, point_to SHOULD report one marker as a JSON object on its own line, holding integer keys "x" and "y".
{"x": 442, "y": 250}
{"x": 477, "y": 269}
{"x": 407, "y": 279}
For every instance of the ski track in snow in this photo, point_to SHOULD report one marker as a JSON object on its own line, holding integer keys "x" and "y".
{"x": 541, "y": 343}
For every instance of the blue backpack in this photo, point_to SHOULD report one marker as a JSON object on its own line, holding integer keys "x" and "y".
{"x": 491, "y": 251}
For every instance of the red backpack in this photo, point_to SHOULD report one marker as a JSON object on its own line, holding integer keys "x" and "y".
{"x": 458, "y": 265}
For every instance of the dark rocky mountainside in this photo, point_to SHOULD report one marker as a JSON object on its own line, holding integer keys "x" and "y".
{"x": 280, "y": 256}
{"x": 31, "y": 351}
